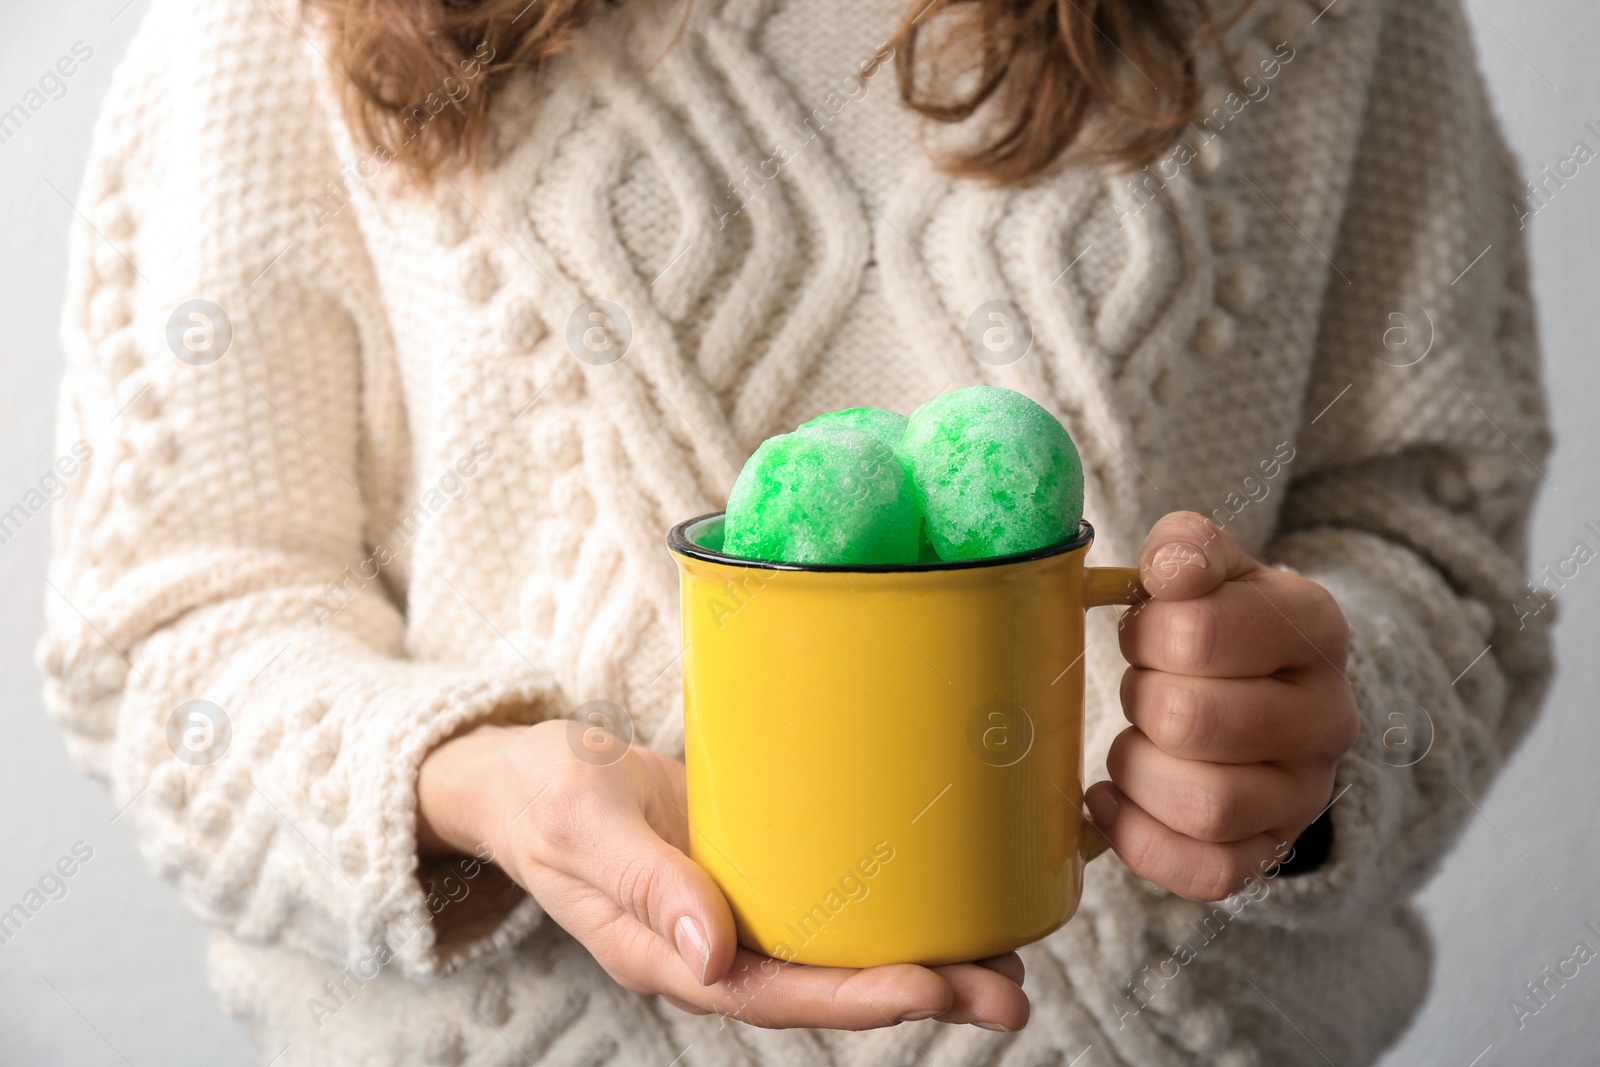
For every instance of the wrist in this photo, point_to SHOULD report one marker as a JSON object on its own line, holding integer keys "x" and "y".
{"x": 453, "y": 784}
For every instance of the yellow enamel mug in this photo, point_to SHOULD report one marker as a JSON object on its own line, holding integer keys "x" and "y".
{"x": 885, "y": 763}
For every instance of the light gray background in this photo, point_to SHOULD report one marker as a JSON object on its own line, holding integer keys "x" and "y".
{"x": 113, "y": 973}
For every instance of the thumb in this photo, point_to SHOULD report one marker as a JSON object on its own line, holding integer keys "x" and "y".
{"x": 1187, "y": 555}
{"x": 664, "y": 889}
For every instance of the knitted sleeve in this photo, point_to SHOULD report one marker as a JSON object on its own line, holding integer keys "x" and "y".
{"x": 220, "y": 341}
{"x": 1421, "y": 452}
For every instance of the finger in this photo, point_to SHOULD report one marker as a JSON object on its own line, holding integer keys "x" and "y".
{"x": 766, "y": 992}
{"x": 1241, "y": 720}
{"x": 1010, "y": 965}
{"x": 1193, "y": 869}
{"x": 1214, "y": 802}
{"x": 592, "y": 826}
{"x": 684, "y": 1005}
{"x": 1187, "y": 555}
{"x": 1241, "y": 630}
{"x": 984, "y": 997}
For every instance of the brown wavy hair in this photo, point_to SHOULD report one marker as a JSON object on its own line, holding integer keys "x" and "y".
{"x": 1112, "y": 79}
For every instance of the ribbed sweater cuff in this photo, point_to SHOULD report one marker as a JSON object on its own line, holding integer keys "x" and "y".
{"x": 305, "y": 831}
{"x": 459, "y": 910}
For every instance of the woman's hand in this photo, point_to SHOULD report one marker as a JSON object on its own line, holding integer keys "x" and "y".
{"x": 599, "y": 838}
{"x": 1240, "y": 711}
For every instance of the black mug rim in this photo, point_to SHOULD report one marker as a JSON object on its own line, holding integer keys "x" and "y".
{"x": 678, "y": 542}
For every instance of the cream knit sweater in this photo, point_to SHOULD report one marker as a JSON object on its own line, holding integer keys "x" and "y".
{"x": 396, "y": 503}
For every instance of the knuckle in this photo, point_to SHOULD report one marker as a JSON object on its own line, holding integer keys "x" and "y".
{"x": 1209, "y": 812}
{"x": 1219, "y": 874}
{"x": 1331, "y": 722}
{"x": 1142, "y": 852}
{"x": 1190, "y": 635}
{"x": 1186, "y": 723}
{"x": 1325, "y": 621}
{"x": 635, "y": 886}
{"x": 841, "y": 996}
{"x": 1344, "y": 729}
{"x": 1339, "y": 640}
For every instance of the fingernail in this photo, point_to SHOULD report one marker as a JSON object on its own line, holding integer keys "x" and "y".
{"x": 693, "y": 946}
{"x": 1103, "y": 804}
{"x": 1173, "y": 556}
{"x": 918, "y": 1016}
{"x": 996, "y": 1027}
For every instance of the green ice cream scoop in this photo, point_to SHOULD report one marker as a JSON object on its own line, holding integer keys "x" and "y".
{"x": 887, "y": 426}
{"x": 828, "y": 493}
{"x": 994, "y": 473}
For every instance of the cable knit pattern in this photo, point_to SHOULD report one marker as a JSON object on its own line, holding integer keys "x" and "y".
{"x": 398, "y": 505}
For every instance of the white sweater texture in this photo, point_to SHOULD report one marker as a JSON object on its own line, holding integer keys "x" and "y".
{"x": 382, "y": 499}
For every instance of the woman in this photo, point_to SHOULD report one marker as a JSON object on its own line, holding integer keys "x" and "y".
{"x": 401, "y": 331}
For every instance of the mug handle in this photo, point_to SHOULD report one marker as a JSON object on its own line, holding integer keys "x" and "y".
{"x": 1105, "y": 587}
